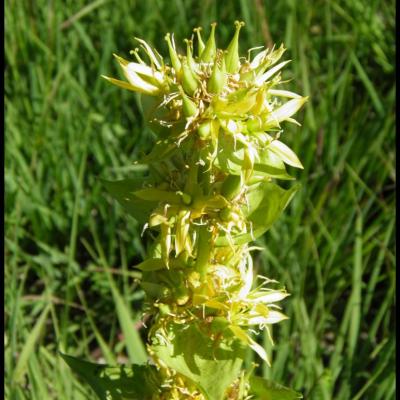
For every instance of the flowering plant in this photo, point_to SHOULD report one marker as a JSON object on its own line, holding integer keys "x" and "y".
{"x": 209, "y": 191}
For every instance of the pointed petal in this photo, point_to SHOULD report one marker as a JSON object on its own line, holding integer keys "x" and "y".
{"x": 285, "y": 153}
{"x": 135, "y": 80}
{"x": 287, "y": 110}
{"x": 293, "y": 121}
{"x": 265, "y": 76}
{"x": 275, "y": 317}
{"x": 121, "y": 84}
{"x": 155, "y": 58}
{"x": 271, "y": 297}
{"x": 258, "y": 59}
{"x": 145, "y": 70}
{"x": 284, "y": 93}
{"x": 260, "y": 351}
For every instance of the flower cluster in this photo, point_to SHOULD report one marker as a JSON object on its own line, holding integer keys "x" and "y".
{"x": 210, "y": 189}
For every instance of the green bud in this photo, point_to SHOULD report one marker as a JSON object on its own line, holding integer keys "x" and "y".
{"x": 176, "y": 63}
{"x": 189, "y": 80}
{"x": 189, "y": 55}
{"x": 218, "y": 76}
{"x": 209, "y": 51}
{"x": 232, "y": 54}
{"x": 187, "y": 199}
{"x": 203, "y": 251}
{"x": 239, "y": 102}
{"x": 201, "y": 45}
{"x": 188, "y": 106}
{"x": 182, "y": 295}
{"x": 165, "y": 243}
{"x": 204, "y": 130}
{"x": 231, "y": 186}
{"x": 255, "y": 124}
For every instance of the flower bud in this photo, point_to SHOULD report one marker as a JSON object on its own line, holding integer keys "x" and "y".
{"x": 182, "y": 295}
{"x": 203, "y": 251}
{"x": 255, "y": 124}
{"x": 176, "y": 63}
{"x": 189, "y": 80}
{"x": 188, "y": 106}
{"x": 232, "y": 54}
{"x": 218, "y": 76}
{"x": 189, "y": 55}
{"x": 204, "y": 130}
{"x": 166, "y": 241}
{"x": 186, "y": 199}
{"x": 200, "y": 45}
{"x": 209, "y": 51}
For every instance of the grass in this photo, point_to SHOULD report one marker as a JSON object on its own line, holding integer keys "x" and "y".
{"x": 69, "y": 249}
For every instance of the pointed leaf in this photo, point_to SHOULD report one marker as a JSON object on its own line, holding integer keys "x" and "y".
{"x": 211, "y": 365}
{"x": 136, "y": 382}
{"x": 265, "y": 204}
{"x": 264, "y": 389}
{"x": 123, "y": 192}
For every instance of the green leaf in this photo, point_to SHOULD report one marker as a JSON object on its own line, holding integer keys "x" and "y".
{"x": 160, "y": 151}
{"x": 151, "y": 264}
{"x": 136, "y": 382}
{"x": 231, "y": 161}
{"x": 265, "y": 204}
{"x": 212, "y": 366}
{"x": 264, "y": 389}
{"x": 123, "y": 190}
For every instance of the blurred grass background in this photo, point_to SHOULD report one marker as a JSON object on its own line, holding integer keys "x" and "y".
{"x": 69, "y": 247}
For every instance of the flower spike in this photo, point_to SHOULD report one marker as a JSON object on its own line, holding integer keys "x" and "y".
{"x": 211, "y": 189}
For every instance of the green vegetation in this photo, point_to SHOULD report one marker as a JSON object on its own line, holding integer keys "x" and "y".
{"x": 69, "y": 248}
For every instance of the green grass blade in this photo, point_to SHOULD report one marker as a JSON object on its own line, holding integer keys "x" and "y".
{"x": 29, "y": 345}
